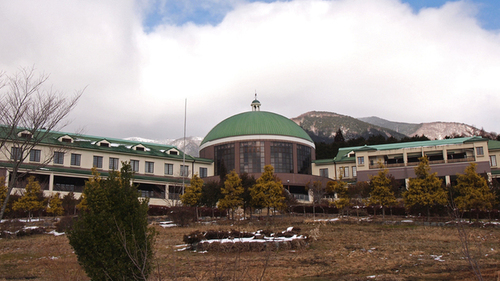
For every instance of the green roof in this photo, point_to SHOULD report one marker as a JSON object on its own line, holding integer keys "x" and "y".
{"x": 341, "y": 155}
{"x": 493, "y": 144}
{"x": 116, "y": 145}
{"x": 256, "y": 123}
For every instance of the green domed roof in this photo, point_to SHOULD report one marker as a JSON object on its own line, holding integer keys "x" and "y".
{"x": 256, "y": 123}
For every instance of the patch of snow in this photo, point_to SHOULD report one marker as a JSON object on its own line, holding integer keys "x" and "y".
{"x": 407, "y": 221}
{"x": 55, "y": 233}
{"x": 437, "y": 258}
{"x": 327, "y": 220}
{"x": 289, "y": 229}
{"x": 166, "y": 224}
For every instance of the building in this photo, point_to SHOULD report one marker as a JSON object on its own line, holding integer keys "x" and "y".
{"x": 62, "y": 163}
{"x": 447, "y": 157}
{"x": 248, "y": 141}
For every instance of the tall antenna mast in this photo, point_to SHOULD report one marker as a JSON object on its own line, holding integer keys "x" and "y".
{"x": 184, "y": 147}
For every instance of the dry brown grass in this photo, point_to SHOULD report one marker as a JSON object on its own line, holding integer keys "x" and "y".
{"x": 343, "y": 251}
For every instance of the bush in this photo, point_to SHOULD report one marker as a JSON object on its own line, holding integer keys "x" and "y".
{"x": 64, "y": 223}
{"x": 111, "y": 237}
{"x": 183, "y": 216}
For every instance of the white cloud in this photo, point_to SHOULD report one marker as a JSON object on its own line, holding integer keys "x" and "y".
{"x": 358, "y": 58}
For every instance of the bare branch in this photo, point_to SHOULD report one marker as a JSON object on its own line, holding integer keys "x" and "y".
{"x": 28, "y": 105}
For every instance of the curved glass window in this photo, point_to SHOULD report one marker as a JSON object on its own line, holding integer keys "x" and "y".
{"x": 252, "y": 157}
{"x": 304, "y": 159}
{"x": 282, "y": 157}
{"x": 224, "y": 158}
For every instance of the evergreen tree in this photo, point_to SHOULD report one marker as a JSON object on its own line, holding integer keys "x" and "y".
{"x": 55, "y": 205}
{"x": 381, "y": 193}
{"x": 69, "y": 203}
{"x": 268, "y": 191}
{"x": 29, "y": 201}
{"x": 426, "y": 190}
{"x": 473, "y": 192}
{"x": 247, "y": 182}
{"x": 210, "y": 195}
{"x": 343, "y": 198}
{"x": 192, "y": 193}
{"x": 339, "y": 137}
{"x": 231, "y": 191}
{"x": 111, "y": 237}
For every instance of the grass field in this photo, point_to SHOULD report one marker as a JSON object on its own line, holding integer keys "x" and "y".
{"x": 344, "y": 250}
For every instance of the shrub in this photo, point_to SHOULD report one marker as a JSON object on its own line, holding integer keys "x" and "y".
{"x": 111, "y": 237}
{"x": 64, "y": 223}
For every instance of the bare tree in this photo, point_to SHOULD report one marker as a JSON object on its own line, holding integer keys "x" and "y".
{"x": 29, "y": 111}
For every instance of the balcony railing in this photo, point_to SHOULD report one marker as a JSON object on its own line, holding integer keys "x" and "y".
{"x": 393, "y": 165}
{"x": 301, "y": 197}
{"x": 467, "y": 159}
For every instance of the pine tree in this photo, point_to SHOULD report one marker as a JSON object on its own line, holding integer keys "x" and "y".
{"x": 341, "y": 189}
{"x": 381, "y": 193}
{"x": 192, "y": 194}
{"x": 472, "y": 191}
{"x": 111, "y": 237}
{"x": 231, "y": 191}
{"x": 69, "y": 203}
{"x": 268, "y": 191}
{"x": 55, "y": 205}
{"x": 247, "y": 182}
{"x": 426, "y": 189}
{"x": 30, "y": 201}
{"x": 339, "y": 137}
{"x": 210, "y": 195}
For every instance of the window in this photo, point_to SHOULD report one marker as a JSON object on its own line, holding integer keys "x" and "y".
{"x": 35, "y": 155}
{"x": 135, "y": 165}
{"x": 104, "y": 144}
{"x": 173, "y": 152}
{"x": 15, "y": 153}
{"x": 150, "y": 167}
{"x": 282, "y": 157}
{"x": 323, "y": 172}
{"x": 98, "y": 162}
{"x": 139, "y": 148}
{"x": 479, "y": 151}
{"x": 203, "y": 172}
{"x": 26, "y": 135}
{"x": 174, "y": 192}
{"x": 361, "y": 160}
{"x": 169, "y": 169}
{"x": 58, "y": 157}
{"x": 346, "y": 172}
{"x": 75, "y": 159}
{"x": 113, "y": 163}
{"x": 68, "y": 140}
{"x": 303, "y": 159}
{"x": 493, "y": 160}
{"x": 184, "y": 171}
{"x": 224, "y": 158}
{"x": 354, "y": 171}
{"x": 252, "y": 157}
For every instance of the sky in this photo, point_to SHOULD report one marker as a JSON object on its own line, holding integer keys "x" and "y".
{"x": 140, "y": 61}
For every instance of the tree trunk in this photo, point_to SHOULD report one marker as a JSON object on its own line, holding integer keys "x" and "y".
{"x": 383, "y": 212}
{"x": 428, "y": 212}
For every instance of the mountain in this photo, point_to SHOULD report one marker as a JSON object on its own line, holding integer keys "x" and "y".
{"x": 191, "y": 148}
{"x": 432, "y": 130}
{"x": 322, "y": 127}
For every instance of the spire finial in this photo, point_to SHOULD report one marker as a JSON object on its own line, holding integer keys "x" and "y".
{"x": 255, "y": 104}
